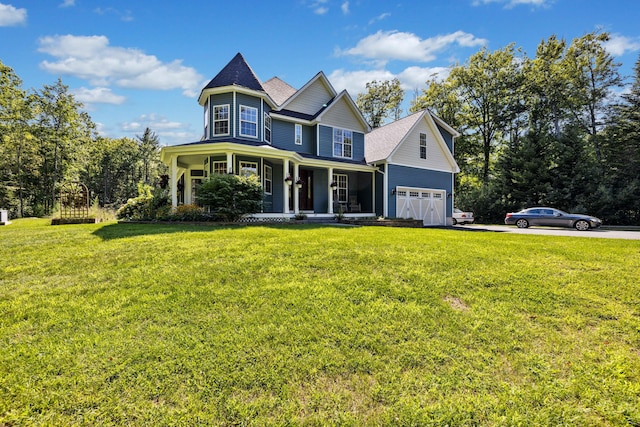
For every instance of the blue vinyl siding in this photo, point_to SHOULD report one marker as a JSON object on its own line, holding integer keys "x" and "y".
{"x": 283, "y": 137}
{"x": 326, "y": 144}
{"x": 220, "y": 99}
{"x": 326, "y": 141}
{"x": 404, "y": 176}
{"x": 248, "y": 101}
{"x": 448, "y": 138}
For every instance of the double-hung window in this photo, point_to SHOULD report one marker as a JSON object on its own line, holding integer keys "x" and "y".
{"x": 343, "y": 187}
{"x": 248, "y": 121}
{"x": 267, "y": 128}
{"x": 268, "y": 179}
{"x": 423, "y": 145}
{"x": 221, "y": 120}
{"x": 342, "y": 143}
{"x": 298, "y": 136}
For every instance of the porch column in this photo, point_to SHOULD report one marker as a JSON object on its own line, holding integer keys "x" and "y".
{"x": 285, "y": 173}
{"x": 229, "y": 163}
{"x": 373, "y": 192}
{"x": 330, "y": 210}
{"x": 296, "y": 190}
{"x": 174, "y": 181}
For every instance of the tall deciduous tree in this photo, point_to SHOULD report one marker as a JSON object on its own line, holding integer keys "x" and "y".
{"x": 381, "y": 101}
{"x": 16, "y": 142}
{"x": 61, "y": 130}
{"x": 594, "y": 74}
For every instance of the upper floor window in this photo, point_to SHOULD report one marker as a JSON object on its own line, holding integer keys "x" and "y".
{"x": 267, "y": 128}
{"x": 298, "y": 134}
{"x": 423, "y": 145}
{"x": 221, "y": 120}
{"x": 268, "y": 179}
{"x": 342, "y": 143}
{"x": 206, "y": 120}
{"x": 248, "y": 121}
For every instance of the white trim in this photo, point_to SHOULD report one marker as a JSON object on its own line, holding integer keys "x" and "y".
{"x": 333, "y": 142}
{"x": 295, "y": 134}
{"x": 241, "y": 121}
{"x": 422, "y": 168}
{"x": 213, "y": 122}
{"x": 266, "y": 116}
{"x": 264, "y": 183}
{"x": 235, "y": 115}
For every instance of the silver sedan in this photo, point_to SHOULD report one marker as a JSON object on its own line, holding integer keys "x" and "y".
{"x": 551, "y": 217}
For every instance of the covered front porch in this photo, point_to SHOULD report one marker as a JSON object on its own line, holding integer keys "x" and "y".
{"x": 293, "y": 184}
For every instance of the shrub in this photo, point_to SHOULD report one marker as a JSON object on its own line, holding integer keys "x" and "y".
{"x": 188, "y": 213}
{"x": 229, "y": 197}
{"x": 149, "y": 205}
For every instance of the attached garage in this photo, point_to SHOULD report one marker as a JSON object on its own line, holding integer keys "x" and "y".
{"x": 422, "y": 203}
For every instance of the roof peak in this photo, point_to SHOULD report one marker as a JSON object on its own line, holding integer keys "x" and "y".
{"x": 236, "y": 73}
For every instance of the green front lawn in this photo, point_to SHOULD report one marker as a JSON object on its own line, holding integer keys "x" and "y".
{"x": 123, "y": 324}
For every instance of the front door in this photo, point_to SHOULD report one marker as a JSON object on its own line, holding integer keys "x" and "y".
{"x": 306, "y": 192}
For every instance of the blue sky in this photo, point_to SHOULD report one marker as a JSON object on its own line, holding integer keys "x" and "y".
{"x": 137, "y": 63}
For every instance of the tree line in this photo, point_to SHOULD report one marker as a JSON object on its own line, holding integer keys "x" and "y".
{"x": 47, "y": 139}
{"x": 560, "y": 129}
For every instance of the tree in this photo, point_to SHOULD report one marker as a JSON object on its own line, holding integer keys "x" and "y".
{"x": 231, "y": 196}
{"x": 17, "y": 150}
{"x": 593, "y": 75}
{"x": 621, "y": 154}
{"x": 61, "y": 129}
{"x": 149, "y": 153}
{"x": 381, "y": 101}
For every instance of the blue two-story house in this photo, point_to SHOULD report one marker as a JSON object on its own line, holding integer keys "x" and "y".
{"x": 307, "y": 146}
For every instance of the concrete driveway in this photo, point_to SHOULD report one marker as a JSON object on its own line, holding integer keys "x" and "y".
{"x": 604, "y": 233}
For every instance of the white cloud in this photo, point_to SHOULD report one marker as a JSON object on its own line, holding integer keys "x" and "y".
{"x": 125, "y": 16}
{"x": 379, "y": 17}
{"x": 169, "y": 133}
{"x": 10, "y": 16}
{"x": 68, "y": 3}
{"x": 355, "y": 81}
{"x": 509, "y": 4}
{"x": 410, "y": 78}
{"x": 618, "y": 44}
{"x": 345, "y": 8}
{"x": 384, "y": 46}
{"x": 92, "y": 58}
{"x": 319, "y": 7}
{"x": 98, "y": 95}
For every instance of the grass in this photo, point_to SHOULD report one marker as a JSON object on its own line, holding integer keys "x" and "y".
{"x": 114, "y": 324}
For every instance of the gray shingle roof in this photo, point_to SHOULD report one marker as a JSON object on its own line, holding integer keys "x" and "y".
{"x": 380, "y": 142}
{"x": 236, "y": 72}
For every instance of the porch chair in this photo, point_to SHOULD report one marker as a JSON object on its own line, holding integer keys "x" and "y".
{"x": 354, "y": 206}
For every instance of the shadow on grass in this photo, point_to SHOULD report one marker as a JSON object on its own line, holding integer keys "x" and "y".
{"x": 124, "y": 229}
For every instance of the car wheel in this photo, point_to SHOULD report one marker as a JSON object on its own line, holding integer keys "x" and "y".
{"x": 522, "y": 223}
{"x": 582, "y": 225}
{"x": 453, "y": 221}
